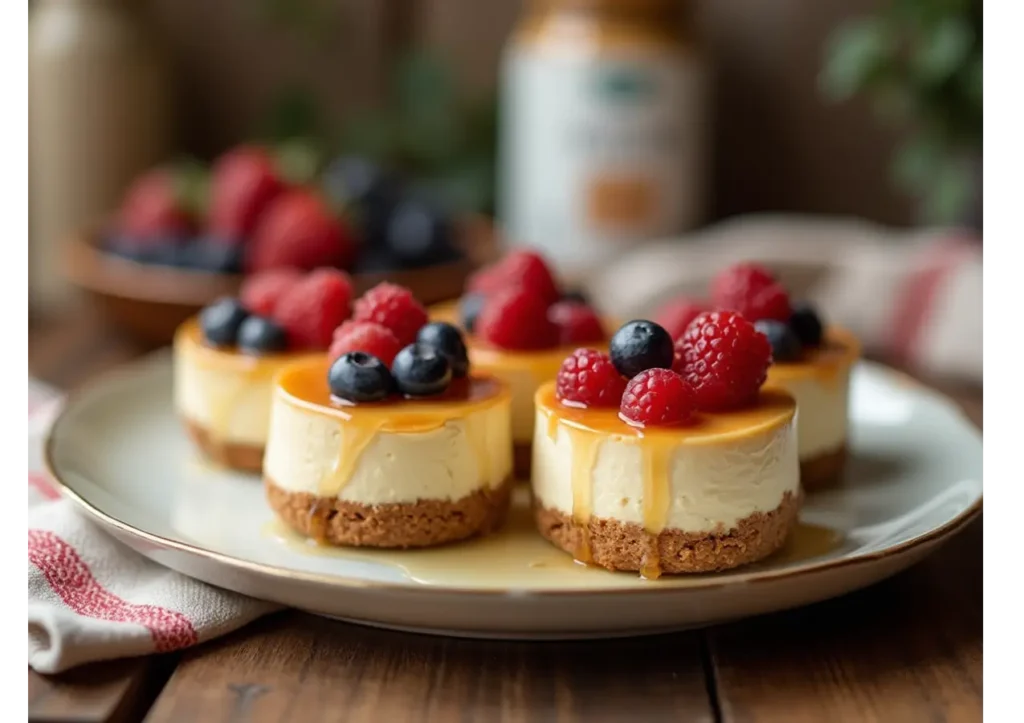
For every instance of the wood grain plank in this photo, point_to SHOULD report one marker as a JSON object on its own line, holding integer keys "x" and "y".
{"x": 111, "y": 692}
{"x": 908, "y": 649}
{"x": 296, "y": 667}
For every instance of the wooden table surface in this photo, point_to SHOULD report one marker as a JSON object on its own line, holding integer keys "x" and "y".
{"x": 907, "y": 649}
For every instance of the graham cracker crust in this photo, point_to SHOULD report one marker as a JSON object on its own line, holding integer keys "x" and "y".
{"x": 823, "y": 471}
{"x": 522, "y": 459}
{"x": 419, "y": 524}
{"x": 243, "y": 457}
{"x": 627, "y": 546}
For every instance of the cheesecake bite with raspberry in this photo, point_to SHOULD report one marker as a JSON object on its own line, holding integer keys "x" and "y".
{"x": 640, "y": 467}
{"x": 391, "y": 439}
{"x": 520, "y": 325}
{"x": 225, "y": 359}
{"x": 811, "y": 361}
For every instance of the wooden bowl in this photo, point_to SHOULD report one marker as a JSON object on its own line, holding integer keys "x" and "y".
{"x": 148, "y": 302}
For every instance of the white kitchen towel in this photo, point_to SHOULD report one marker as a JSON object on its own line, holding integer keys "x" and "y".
{"x": 91, "y": 598}
{"x": 913, "y": 296}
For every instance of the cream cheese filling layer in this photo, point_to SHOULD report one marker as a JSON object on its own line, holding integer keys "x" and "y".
{"x": 230, "y": 405}
{"x": 330, "y": 457}
{"x": 823, "y": 408}
{"x": 710, "y": 486}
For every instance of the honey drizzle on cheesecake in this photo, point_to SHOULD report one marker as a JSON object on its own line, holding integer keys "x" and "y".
{"x": 587, "y": 428}
{"x": 305, "y": 385}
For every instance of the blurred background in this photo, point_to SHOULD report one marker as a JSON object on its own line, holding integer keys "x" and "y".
{"x": 842, "y": 108}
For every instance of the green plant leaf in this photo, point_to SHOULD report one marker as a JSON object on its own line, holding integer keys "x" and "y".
{"x": 370, "y": 134}
{"x": 948, "y": 195}
{"x": 299, "y": 160}
{"x": 423, "y": 85}
{"x": 943, "y": 50}
{"x": 856, "y": 52}
{"x": 916, "y": 163}
{"x": 293, "y": 114}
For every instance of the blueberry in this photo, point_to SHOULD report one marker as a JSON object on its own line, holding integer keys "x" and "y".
{"x": 360, "y": 377}
{"x": 785, "y": 344}
{"x": 447, "y": 339}
{"x": 469, "y": 309}
{"x": 259, "y": 335}
{"x": 161, "y": 250}
{"x": 220, "y": 321}
{"x": 375, "y": 261}
{"x": 421, "y": 371}
{"x": 216, "y": 255}
{"x": 640, "y": 345}
{"x": 806, "y": 324}
{"x": 358, "y": 181}
{"x": 577, "y": 295}
{"x": 418, "y": 233}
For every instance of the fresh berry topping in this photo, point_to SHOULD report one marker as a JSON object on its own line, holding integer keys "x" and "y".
{"x": 470, "y": 306}
{"x": 675, "y": 315}
{"x": 448, "y": 340}
{"x": 806, "y": 324}
{"x": 785, "y": 345}
{"x": 314, "y": 307}
{"x": 152, "y": 210}
{"x": 421, "y": 371}
{"x": 523, "y": 268}
{"x": 394, "y": 307}
{"x": 737, "y": 281}
{"x": 365, "y": 336}
{"x": 752, "y": 291}
{"x": 588, "y": 378}
{"x": 359, "y": 377}
{"x": 214, "y": 254}
{"x": 243, "y": 183}
{"x": 577, "y": 323}
{"x": 658, "y": 397}
{"x": 418, "y": 234}
{"x": 260, "y": 292}
{"x": 724, "y": 358}
{"x": 576, "y": 295}
{"x": 356, "y": 181}
{"x": 640, "y": 345}
{"x": 299, "y": 230}
{"x": 516, "y": 319}
{"x": 220, "y": 321}
{"x": 260, "y": 335}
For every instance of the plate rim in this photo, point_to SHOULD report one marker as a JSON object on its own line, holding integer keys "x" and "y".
{"x": 160, "y": 359}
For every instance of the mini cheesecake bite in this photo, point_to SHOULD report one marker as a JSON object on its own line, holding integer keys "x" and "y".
{"x": 225, "y": 358}
{"x": 412, "y": 452}
{"x": 658, "y": 473}
{"x": 519, "y": 326}
{"x": 812, "y": 361}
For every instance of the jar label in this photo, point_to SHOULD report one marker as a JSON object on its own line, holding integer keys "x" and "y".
{"x": 599, "y": 153}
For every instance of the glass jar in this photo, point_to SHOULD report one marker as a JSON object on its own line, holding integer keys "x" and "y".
{"x": 602, "y": 128}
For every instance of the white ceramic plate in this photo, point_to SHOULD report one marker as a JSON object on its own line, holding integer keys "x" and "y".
{"x": 914, "y": 480}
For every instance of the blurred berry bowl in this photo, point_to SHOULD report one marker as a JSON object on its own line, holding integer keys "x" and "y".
{"x": 147, "y": 291}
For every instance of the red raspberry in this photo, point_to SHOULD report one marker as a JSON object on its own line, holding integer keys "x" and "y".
{"x": 577, "y": 323}
{"x": 314, "y": 307}
{"x": 243, "y": 182}
{"x": 524, "y": 268}
{"x": 298, "y": 229}
{"x": 153, "y": 209}
{"x": 393, "y": 307}
{"x": 589, "y": 379}
{"x": 516, "y": 319}
{"x": 260, "y": 292}
{"x": 658, "y": 397}
{"x": 675, "y": 315}
{"x": 752, "y": 291}
{"x": 724, "y": 358}
{"x": 367, "y": 337}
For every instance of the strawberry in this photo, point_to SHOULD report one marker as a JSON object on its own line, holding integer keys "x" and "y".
{"x": 299, "y": 230}
{"x": 153, "y": 208}
{"x": 243, "y": 183}
{"x": 314, "y": 307}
